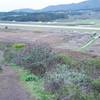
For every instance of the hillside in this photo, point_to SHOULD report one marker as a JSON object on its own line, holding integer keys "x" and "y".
{"x": 88, "y": 9}
{"x": 85, "y": 5}
{"x": 27, "y": 10}
{"x": 88, "y": 4}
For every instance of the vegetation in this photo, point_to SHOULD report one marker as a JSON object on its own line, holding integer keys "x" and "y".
{"x": 13, "y": 16}
{"x": 96, "y": 84}
{"x": 36, "y": 57}
{"x": 18, "y": 45}
{"x": 52, "y": 76}
{"x": 51, "y": 16}
{"x": 0, "y": 68}
{"x": 35, "y": 85}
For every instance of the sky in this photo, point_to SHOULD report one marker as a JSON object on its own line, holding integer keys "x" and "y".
{"x": 7, "y": 5}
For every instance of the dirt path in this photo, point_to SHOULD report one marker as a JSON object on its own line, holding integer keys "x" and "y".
{"x": 10, "y": 88}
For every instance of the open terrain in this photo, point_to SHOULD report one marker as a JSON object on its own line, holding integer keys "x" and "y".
{"x": 60, "y": 37}
{"x": 51, "y": 53}
{"x": 40, "y": 71}
{"x": 10, "y": 87}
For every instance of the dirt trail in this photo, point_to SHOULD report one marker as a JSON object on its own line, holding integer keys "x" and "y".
{"x": 10, "y": 88}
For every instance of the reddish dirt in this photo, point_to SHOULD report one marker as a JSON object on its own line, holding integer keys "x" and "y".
{"x": 10, "y": 87}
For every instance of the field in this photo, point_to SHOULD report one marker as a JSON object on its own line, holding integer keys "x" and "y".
{"x": 63, "y": 36}
{"x": 50, "y": 61}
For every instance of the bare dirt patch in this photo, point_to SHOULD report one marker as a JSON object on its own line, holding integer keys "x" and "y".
{"x": 10, "y": 88}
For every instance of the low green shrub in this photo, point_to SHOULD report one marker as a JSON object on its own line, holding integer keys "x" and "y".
{"x": 34, "y": 84}
{"x": 0, "y": 68}
{"x": 36, "y": 57}
{"x": 72, "y": 92}
{"x": 95, "y": 62}
{"x": 53, "y": 86}
{"x": 31, "y": 77}
{"x": 90, "y": 66}
{"x": 64, "y": 59}
{"x": 4, "y": 45}
{"x": 96, "y": 84}
{"x": 28, "y": 76}
{"x": 63, "y": 72}
{"x": 18, "y": 45}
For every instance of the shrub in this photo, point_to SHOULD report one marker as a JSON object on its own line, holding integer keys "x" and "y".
{"x": 53, "y": 86}
{"x": 96, "y": 84}
{"x": 71, "y": 92}
{"x": 63, "y": 72}
{"x": 36, "y": 57}
{"x": 62, "y": 76}
{"x": 18, "y": 45}
{"x": 31, "y": 77}
{"x": 95, "y": 62}
{"x": 27, "y": 76}
{"x": 10, "y": 55}
{"x": 0, "y": 68}
{"x": 64, "y": 59}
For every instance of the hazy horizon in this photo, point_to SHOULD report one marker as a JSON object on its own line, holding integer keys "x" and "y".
{"x": 34, "y": 4}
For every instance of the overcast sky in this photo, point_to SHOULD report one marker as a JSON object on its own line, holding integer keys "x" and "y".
{"x": 6, "y": 5}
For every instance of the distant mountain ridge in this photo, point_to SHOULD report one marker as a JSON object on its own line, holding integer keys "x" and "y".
{"x": 85, "y": 5}
{"x": 89, "y": 9}
{"x": 88, "y": 4}
{"x": 27, "y": 10}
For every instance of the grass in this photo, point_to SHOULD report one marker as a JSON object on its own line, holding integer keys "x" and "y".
{"x": 96, "y": 84}
{"x": 95, "y": 62}
{"x": 78, "y": 70}
{"x": 65, "y": 59}
{"x": 18, "y": 45}
{"x": 34, "y": 86}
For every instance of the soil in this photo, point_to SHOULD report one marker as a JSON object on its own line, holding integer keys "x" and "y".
{"x": 10, "y": 87}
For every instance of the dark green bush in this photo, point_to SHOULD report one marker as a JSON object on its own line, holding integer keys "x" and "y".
{"x": 31, "y": 78}
{"x": 0, "y": 68}
{"x": 96, "y": 85}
